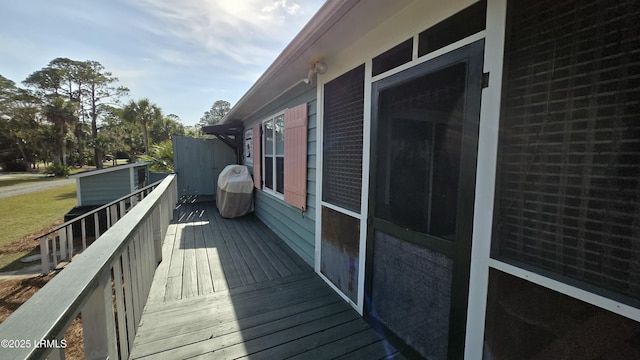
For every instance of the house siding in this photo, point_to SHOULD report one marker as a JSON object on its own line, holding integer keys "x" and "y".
{"x": 295, "y": 227}
{"x": 104, "y": 188}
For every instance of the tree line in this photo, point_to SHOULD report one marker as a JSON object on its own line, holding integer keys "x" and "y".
{"x": 72, "y": 113}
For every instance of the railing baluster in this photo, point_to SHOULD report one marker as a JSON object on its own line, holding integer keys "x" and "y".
{"x": 98, "y": 325}
{"x": 96, "y": 226}
{"x": 54, "y": 251}
{"x": 128, "y": 296}
{"x": 113, "y": 209}
{"x": 123, "y": 208}
{"x": 108, "y": 284}
{"x": 44, "y": 255}
{"x": 108, "y": 218}
{"x": 63, "y": 244}
{"x": 135, "y": 289}
{"x": 69, "y": 231}
{"x": 120, "y": 308}
{"x": 83, "y": 230}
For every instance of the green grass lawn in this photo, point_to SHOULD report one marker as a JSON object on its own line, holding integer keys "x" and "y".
{"x": 22, "y": 215}
{"x": 24, "y": 180}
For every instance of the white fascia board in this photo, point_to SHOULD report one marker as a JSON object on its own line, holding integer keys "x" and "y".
{"x": 107, "y": 170}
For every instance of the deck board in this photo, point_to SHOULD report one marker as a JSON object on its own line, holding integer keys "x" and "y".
{"x": 230, "y": 288}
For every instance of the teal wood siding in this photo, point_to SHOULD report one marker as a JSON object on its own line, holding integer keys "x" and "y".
{"x": 155, "y": 176}
{"x": 103, "y": 188}
{"x": 297, "y": 229}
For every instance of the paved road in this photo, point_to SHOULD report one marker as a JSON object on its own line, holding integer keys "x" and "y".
{"x": 14, "y": 190}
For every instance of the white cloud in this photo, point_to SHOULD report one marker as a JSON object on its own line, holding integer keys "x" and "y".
{"x": 242, "y": 31}
{"x": 291, "y": 9}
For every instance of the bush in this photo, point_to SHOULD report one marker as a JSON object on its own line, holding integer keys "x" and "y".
{"x": 58, "y": 170}
{"x": 15, "y": 166}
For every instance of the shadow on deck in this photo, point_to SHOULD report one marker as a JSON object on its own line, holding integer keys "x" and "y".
{"x": 230, "y": 288}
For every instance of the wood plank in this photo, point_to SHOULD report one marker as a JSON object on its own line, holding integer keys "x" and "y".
{"x": 264, "y": 270}
{"x": 279, "y": 247}
{"x": 297, "y": 346}
{"x": 241, "y": 305}
{"x": 204, "y": 300}
{"x": 190, "y": 271}
{"x": 377, "y": 350}
{"x": 265, "y": 301}
{"x": 341, "y": 347}
{"x": 271, "y": 265}
{"x": 269, "y": 338}
{"x": 205, "y": 283}
{"x": 236, "y": 331}
{"x": 173, "y": 290}
{"x": 258, "y": 338}
{"x": 159, "y": 283}
{"x": 230, "y": 272}
{"x": 244, "y": 273}
{"x": 177, "y": 261}
{"x": 218, "y": 279}
{"x": 257, "y": 273}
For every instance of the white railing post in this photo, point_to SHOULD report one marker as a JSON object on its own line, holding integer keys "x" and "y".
{"x": 70, "y": 238}
{"x": 158, "y": 232}
{"x": 44, "y": 255}
{"x": 98, "y": 325}
{"x": 83, "y": 229}
{"x": 63, "y": 244}
{"x": 96, "y": 226}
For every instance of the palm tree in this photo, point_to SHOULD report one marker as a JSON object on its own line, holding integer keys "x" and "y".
{"x": 143, "y": 113}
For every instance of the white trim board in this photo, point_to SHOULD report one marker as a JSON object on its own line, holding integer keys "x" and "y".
{"x": 572, "y": 291}
{"x": 109, "y": 169}
{"x": 485, "y": 178}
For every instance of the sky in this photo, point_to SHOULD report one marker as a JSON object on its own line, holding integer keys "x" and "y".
{"x": 181, "y": 54}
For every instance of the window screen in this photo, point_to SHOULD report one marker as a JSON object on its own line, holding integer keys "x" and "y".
{"x": 342, "y": 140}
{"x": 527, "y": 321}
{"x": 394, "y": 57}
{"x": 568, "y": 196}
{"x": 420, "y": 150}
{"x": 457, "y": 27}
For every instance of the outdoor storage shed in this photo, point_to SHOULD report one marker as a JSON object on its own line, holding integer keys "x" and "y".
{"x": 235, "y": 191}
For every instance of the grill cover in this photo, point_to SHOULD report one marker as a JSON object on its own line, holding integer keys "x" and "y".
{"x": 235, "y": 191}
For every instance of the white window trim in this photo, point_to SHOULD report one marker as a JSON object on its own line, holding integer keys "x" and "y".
{"x": 263, "y": 142}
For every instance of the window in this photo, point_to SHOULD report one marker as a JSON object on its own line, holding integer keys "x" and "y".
{"x": 279, "y": 167}
{"x": 420, "y": 140}
{"x": 342, "y": 140}
{"x": 567, "y": 199}
{"x": 273, "y": 169}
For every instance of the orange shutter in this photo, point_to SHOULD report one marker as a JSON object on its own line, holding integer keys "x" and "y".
{"x": 257, "y": 157}
{"x": 295, "y": 156}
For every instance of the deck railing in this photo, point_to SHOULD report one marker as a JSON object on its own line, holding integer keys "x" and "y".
{"x": 58, "y": 244}
{"x": 108, "y": 284}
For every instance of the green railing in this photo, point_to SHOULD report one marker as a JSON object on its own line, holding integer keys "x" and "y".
{"x": 108, "y": 284}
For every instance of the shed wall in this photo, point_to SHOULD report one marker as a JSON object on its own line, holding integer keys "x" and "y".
{"x": 198, "y": 163}
{"x": 104, "y": 188}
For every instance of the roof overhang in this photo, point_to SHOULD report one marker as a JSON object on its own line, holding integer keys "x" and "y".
{"x": 330, "y": 31}
{"x": 108, "y": 170}
{"x": 231, "y": 133}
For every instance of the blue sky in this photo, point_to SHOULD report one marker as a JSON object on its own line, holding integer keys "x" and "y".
{"x": 182, "y": 55}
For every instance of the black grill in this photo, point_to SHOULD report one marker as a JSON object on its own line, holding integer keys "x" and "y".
{"x": 342, "y": 143}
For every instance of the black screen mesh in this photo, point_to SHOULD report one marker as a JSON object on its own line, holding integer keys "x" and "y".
{"x": 342, "y": 140}
{"x": 411, "y": 293}
{"x": 568, "y": 197}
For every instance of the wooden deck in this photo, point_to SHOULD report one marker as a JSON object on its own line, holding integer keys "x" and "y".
{"x": 230, "y": 288}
